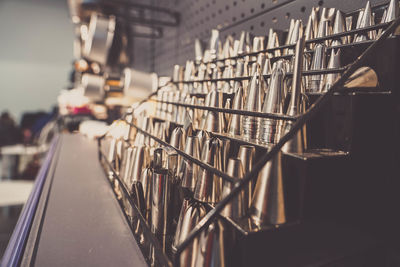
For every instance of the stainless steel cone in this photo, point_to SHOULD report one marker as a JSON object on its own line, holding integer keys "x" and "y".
{"x": 246, "y": 155}
{"x": 312, "y": 25}
{"x": 235, "y": 49}
{"x": 208, "y": 185}
{"x": 244, "y": 43}
{"x": 294, "y": 36}
{"x": 226, "y": 49}
{"x": 188, "y": 171}
{"x": 290, "y": 31}
{"x": 334, "y": 62}
{"x": 141, "y": 159}
{"x": 185, "y": 205}
{"x": 126, "y": 164}
{"x": 198, "y": 50}
{"x": 166, "y": 158}
{"x": 111, "y": 157}
{"x": 215, "y": 120}
{"x": 178, "y": 73}
{"x": 227, "y": 116}
{"x": 234, "y": 125}
{"x": 203, "y": 137}
{"x": 365, "y": 21}
{"x": 270, "y": 129}
{"x": 255, "y": 90}
{"x": 364, "y": 77}
{"x": 205, "y": 112}
{"x": 214, "y": 43}
{"x": 318, "y": 63}
{"x": 273, "y": 42}
{"x": 339, "y": 26}
{"x": 178, "y": 138}
{"x": 145, "y": 180}
{"x": 211, "y": 248}
{"x": 226, "y": 146}
{"x": 295, "y": 144}
{"x": 258, "y": 43}
{"x": 190, "y": 218}
{"x": 160, "y": 205}
{"x": 392, "y": 11}
{"x": 237, "y": 207}
{"x": 268, "y": 204}
{"x": 137, "y": 196}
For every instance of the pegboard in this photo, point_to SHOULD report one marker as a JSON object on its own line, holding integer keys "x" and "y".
{"x": 198, "y": 17}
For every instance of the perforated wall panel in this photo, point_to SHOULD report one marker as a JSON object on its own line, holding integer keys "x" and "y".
{"x": 198, "y": 17}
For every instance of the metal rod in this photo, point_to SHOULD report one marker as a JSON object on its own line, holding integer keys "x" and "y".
{"x": 305, "y": 73}
{"x": 233, "y": 111}
{"x": 321, "y": 101}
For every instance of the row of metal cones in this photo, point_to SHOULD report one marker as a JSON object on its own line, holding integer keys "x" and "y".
{"x": 172, "y": 191}
{"x": 321, "y": 23}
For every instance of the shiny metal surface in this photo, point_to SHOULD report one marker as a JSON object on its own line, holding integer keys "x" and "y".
{"x": 215, "y": 121}
{"x": 255, "y": 90}
{"x": 235, "y": 125}
{"x": 160, "y": 214}
{"x": 145, "y": 180}
{"x": 297, "y": 143}
{"x": 188, "y": 171}
{"x": 270, "y": 129}
{"x": 237, "y": 208}
{"x": 208, "y": 186}
{"x": 268, "y": 203}
{"x": 363, "y": 77}
{"x": 99, "y": 40}
{"x": 93, "y": 86}
{"x": 211, "y": 247}
{"x": 334, "y": 62}
{"x": 141, "y": 159}
{"x": 246, "y": 155}
{"x": 318, "y": 63}
{"x": 191, "y": 214}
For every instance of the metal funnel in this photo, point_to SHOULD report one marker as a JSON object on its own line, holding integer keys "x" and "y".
{"x": 188, "y": 171}
{"x": 145, "y": 180}
{"x": 211, "y": 248}
{"x": 141, "y": 159}
{"x": 215, "y": 120}
{"x": 237, "y": 207}
{"x": 246, "y": 155}
{"x": 255, "y": 90}
{"x": 234, "y": 125}
{"x": 268, "y": 203}
{"x": 270, "y": 129}
{"x": 318, "y": 63}
{"x": 191, "y": 216}
{"x": 364, "y": 77}
{"x": 208, "y": 185}
{"x": 334, "y": 62}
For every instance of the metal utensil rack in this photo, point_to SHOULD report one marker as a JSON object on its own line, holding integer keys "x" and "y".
{"x": 140, "y": 228}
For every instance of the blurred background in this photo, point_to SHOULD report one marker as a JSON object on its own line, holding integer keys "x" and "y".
{"x": 35, "y": 59}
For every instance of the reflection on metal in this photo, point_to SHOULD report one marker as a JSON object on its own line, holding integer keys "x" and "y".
{"x": 99, "y": 39}
{"x": 364, "y": 77}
